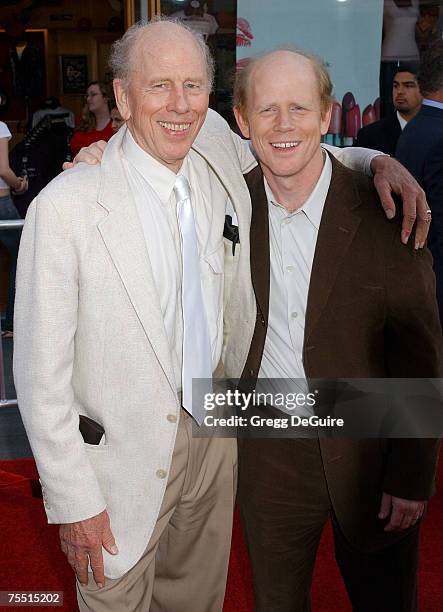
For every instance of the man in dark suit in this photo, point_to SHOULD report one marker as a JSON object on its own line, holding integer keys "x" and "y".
{"x": 420, "y": 149}
{"x": 335, "y": 299}
{"x": 384, "y": 134}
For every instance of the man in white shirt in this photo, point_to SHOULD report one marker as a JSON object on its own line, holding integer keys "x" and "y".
{"x": 328, "y": 308}
{"x": 104, "y": 289}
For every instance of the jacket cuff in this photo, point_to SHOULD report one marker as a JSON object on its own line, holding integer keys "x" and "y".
{"x": 411, "y": 467}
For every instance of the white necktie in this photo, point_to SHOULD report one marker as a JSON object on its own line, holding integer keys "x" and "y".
{"x": 197, "y": 359}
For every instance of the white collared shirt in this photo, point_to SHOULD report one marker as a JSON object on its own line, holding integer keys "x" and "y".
{"x": 434, "y": 103}
{"x": 292, "y": 242}
{"x": 403, "y": 123}
{"x": 152, "y": 185}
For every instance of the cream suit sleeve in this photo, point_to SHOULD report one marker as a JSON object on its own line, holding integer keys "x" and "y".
{"x": 244, "y": 152}
{"x": 355, "y": 158}
{"x": 44, "y": 330}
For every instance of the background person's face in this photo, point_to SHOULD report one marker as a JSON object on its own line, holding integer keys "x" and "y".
{"x": 116, "y": 120}
{"x": 95, "y": 100}
{"x": 405, "y": 92}
{"x": 166, "y": 101}
{"x": 283, "y": 115}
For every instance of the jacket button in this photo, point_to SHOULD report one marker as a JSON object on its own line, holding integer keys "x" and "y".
{"x": 160, "y": 474}
{"x": 262, "y": 321}
{"x": 172, "y": 418}
{"x": 251, "y": 372}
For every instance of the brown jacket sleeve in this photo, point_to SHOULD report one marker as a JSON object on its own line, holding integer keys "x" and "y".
{"x": 413, "y": 350}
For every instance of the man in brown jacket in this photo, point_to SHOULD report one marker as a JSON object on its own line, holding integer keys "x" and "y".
{"x": 334, "y": 300}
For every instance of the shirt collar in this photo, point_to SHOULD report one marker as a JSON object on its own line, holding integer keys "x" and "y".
{"x": 159, "y": 177}
{"x": 433, "y": 103}
{"x": 401, "y": 121}
{"x": 313, "y": 207}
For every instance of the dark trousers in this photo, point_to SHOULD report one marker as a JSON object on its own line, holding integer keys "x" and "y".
{"x": 11, "y": 240}
{"x": 284, "y": 504}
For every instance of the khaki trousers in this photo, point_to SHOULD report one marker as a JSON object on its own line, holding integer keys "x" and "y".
{"x": 184, "y": 567}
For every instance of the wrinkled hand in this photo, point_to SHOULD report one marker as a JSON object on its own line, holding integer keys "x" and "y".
{"x": 85, "y": 539}
{"x": 89, "y": 155}
{"x": 390, "y": 175}
{"x": 404, "y": 512}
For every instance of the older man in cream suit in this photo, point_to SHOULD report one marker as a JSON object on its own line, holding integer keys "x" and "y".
{"x": 105, "y": 275}
{"x": 100, "y": 334}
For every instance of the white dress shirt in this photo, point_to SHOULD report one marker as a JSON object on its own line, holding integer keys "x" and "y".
{"x": 152, "y": 186}
{"x": 433, "y": 103}
{"x": 292, "y": 242}
{"x": 403, "y": 123}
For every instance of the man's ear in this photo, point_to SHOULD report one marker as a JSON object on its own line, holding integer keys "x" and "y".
{"x": 242, "y": 122}
{"x": 121, "y": 98}
{"x": 326, "y": 120}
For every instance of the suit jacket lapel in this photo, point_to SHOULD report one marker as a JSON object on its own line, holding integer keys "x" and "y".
{"x": 260, "y": 265}
{"x": 337, "y": 229}
{"x": 123, "y": 236}
{"x": 237, "y": 190}
{"x": 393, "y": 131}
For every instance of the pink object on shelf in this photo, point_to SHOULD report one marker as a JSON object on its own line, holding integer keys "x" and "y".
{"x": 335, "y": 123}
{"x": 377, "y": 108}
{"x": 353, "y": 122}
{"x": 369, "y": 115}
{"x": 348, "y": 101}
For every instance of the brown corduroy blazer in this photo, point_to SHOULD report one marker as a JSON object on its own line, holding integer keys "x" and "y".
{"x": 371, "y": 313}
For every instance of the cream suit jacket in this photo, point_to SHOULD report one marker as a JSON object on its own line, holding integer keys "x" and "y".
{"x": 90, "y": 339}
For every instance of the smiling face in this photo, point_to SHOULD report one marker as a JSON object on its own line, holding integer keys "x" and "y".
{"x": 283, "y": 117}
{"x": 166, "y": 99}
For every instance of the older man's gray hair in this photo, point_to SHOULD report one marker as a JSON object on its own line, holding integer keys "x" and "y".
{"x": 121, "y": 57}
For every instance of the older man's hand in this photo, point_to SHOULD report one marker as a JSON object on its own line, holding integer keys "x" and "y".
{"x": 89, "y": 155}
{"x": 403, "y": 512}
{"x": 85, "y": 539}
{"x": 390, "y": 176}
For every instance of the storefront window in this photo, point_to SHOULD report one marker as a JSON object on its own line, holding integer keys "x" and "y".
{"x": 362, "y": 42}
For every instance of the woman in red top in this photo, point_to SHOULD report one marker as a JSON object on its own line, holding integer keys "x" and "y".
{"x": 96, "y": 122}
